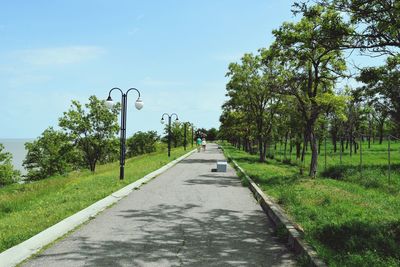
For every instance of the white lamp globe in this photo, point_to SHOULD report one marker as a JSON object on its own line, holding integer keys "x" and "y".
{"x": 139, "y": 104}
{"x": 109, "y": 103}
{"x": 162, "y": 120}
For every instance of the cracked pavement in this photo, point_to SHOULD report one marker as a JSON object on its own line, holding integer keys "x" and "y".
{"x": 188, "y": 216}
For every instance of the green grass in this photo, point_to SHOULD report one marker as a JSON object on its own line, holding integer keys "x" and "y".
{"x": 27, "y": 209}
{"x": 348, "y": 222}
{"x": 372, "y": 173}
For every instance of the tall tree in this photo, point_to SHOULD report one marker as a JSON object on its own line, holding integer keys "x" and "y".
{"x": 250, "y": 90}
{"x": 92, "y": 128}
{"x": 310, "y": 52}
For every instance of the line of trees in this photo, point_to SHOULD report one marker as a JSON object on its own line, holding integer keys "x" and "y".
{"x": 292, "y": 91}
{"x": 178, "y": 133}
{"x": 87, "y": 136}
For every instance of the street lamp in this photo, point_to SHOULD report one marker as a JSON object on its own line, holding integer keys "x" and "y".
{"x": 169, "y": 129}
{"x": 124, "y": 106}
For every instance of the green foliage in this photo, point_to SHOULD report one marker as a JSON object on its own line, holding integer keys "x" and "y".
{"x": 142, "y": 143}
{"x": 376, "y": 24}
{"x": 92, "y": 129}
{"x": 7, "y": 173}
{"x": 252, "y": 99}
{"x": 50, "y": 154}
{"x": 381, "y": 88}
{"x": 178, "y": 133}
{"x": 212, "y": 134}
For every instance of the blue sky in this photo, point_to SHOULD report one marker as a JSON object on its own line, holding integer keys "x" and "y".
{"x": 175, "y": 52}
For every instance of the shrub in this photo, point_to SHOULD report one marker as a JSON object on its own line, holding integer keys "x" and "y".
{"x": 142, "y": 143}
{"x": 334, "y": 172}
{"x": 7, "y": 173}
{"x": 51, "y": 153}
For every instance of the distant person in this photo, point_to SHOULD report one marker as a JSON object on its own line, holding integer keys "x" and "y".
{"x": 198, "y": 142}
{"x": 203, "y": 144}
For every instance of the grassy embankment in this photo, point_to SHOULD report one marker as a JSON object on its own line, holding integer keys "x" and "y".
{"x": 27, "y": 209}
{"x": 351, "y": 221}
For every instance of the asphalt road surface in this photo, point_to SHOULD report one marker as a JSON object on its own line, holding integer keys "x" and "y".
{"x": 188, "y": 216}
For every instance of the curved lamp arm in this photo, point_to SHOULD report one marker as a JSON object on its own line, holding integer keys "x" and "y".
{"x": 112, "y": 89}
{"x": 130, "y": 89}
{"x": 175, "y": 116}
{"x": 139, "y": 103}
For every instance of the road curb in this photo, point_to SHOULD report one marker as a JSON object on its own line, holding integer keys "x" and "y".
{"x": 278, "y": 217}
{"x": 24, "y": 250}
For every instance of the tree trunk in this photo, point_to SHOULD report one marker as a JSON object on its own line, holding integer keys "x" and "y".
{"x": 355, "y": 145}
{"x": 342, "y": 144}
{"x": 298, "y": 149}
{"x": 264, "y": 152}
{"x": 351, "y": 144}
{"x": 334, "y": 141}
{"x": 303, "y": 153}
{"x": 381, "y": 125}
{"x": 314, "y": 153}
{"x": 261, "y": 149}
{"x": 286, "y": 139}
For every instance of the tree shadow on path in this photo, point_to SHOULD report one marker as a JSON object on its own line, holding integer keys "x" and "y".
{"x": 172, "y": 235}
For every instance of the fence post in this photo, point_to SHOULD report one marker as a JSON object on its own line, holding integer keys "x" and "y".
{"x": 341, "y": 149}
{"x": 389, "y": 158}
{"x": 361, "y": 155}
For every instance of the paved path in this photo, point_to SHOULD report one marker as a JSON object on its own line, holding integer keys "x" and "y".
{"x": 187, "y": 216}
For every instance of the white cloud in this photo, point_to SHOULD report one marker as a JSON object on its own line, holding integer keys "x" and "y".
{"x": 58, "y": 56}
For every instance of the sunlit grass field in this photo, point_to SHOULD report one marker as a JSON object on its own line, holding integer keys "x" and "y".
{"x": 27, "y": 209}
{"x": 350, "y": 222}
{"x": 369, "y": 168}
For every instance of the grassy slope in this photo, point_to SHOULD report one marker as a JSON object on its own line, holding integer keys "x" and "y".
{"x": 348, "y": 223}
{"x": 28, "y": 209}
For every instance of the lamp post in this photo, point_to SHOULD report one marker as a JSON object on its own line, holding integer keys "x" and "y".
{"x": 124, "y": 105}
{"x": 169, "y": 129}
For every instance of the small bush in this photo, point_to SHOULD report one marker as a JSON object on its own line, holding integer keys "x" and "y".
{"x": 335, "y": 172}
{"x": 142, "y": 143}
{"x": 7, "y": 173}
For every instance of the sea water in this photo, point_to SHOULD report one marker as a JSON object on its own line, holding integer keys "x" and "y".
{"x": 17, "y": 148}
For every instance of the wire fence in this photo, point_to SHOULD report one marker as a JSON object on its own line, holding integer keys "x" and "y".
{"x": 360, "y": 153}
